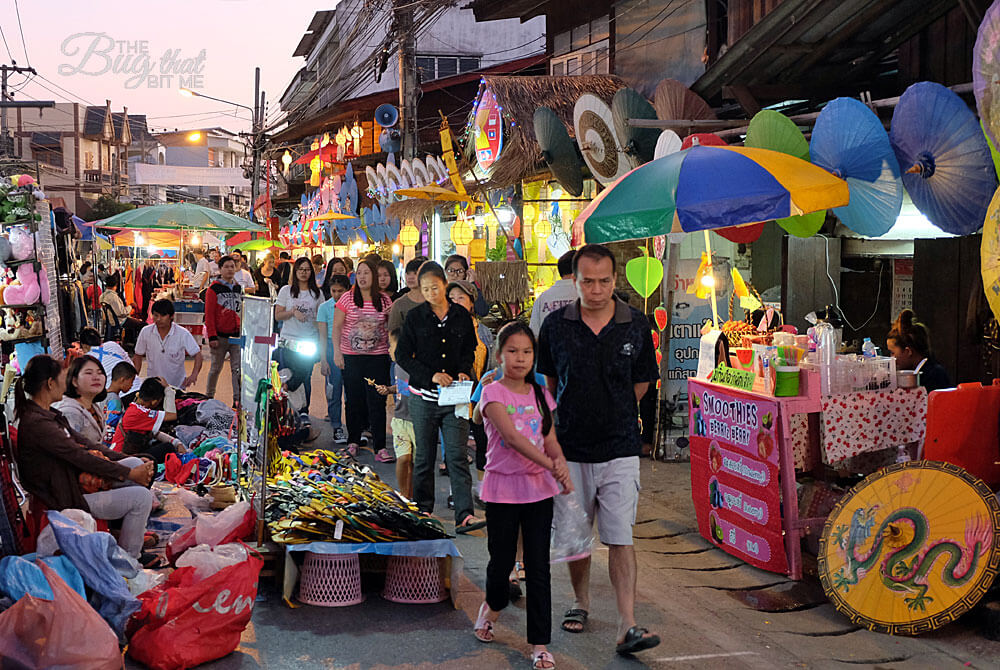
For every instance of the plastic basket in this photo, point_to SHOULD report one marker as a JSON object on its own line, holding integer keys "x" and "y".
{"x": 852, "y": 374}
{"x": 331, "y": 580}
{"x": 414, "y": 580}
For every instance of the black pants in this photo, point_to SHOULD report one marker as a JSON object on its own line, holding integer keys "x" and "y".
{"x": 365, "y": 407}
{"x": 534, "y": 522}
{"x": 479, "y": 434}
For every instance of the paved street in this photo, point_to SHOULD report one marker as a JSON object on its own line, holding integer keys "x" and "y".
{"x": 711, "y": 610}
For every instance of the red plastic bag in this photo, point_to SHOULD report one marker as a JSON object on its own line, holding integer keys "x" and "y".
{"x": 184, "y": 538}
{"x": 177, "y": 472}
{"x": 184, "y": 622}
{"x": 64, "y": 632}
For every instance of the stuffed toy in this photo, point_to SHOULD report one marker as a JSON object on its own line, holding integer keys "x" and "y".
{"x": 28, "y": 291}
{"x": 22, "y": 243}
{"x": 34, "y": 325}
{"x": 9, "y": 330}
{"x": 43, "y": 285}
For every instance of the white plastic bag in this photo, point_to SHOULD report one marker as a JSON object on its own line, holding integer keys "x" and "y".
{"x": 145, "y": 580}
{"x": 207, "y": 561}
{"x": 192, "y": 500}
{"x": 572, "y": 532}
{"x": 47, "y": 545}
{"x": 213, "y": 529}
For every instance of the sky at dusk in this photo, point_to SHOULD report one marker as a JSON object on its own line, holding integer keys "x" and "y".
{"x": 138, "y": 54}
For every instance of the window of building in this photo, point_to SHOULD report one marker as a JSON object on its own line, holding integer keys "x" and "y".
{"x": 211, "y": 158}
{"x": 48, "y": 155}
{"x": 88, "y": 160}
{"x": 582, "y": 49}
{"x": 438, "y": 67}
{"x": 581, "y": 37}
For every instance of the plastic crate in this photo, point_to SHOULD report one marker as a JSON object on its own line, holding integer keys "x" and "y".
{"x": 853, "y": 374}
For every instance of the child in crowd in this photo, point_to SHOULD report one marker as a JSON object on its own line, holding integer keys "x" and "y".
{"x": 122, "y": 377}
{"x": 403, "y": 438}
{"x": 524, "y": 469}
{"x": 139, "y": 431}
{"x": 337, "y": 286}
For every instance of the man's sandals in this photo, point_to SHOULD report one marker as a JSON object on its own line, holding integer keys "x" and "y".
{"x": 637, "y": 639}
{"x": 574, "y": 616}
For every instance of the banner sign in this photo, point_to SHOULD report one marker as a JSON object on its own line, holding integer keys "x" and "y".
{"x": 737, "y": 379}
{"x": 734, "y": 473}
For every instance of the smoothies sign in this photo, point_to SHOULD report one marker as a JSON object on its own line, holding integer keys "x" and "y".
{"x": 734, "y": 473}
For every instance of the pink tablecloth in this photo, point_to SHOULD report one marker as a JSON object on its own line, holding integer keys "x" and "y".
{"x": 865, "y": 422}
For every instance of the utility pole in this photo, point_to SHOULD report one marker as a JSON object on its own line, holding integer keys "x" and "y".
{"x": 7, "y": 102}
{"x": 258, "y": 111}
{"x": 407, "y": 76}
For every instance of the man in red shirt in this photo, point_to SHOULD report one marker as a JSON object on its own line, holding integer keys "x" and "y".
{"x": 222, "y": 321}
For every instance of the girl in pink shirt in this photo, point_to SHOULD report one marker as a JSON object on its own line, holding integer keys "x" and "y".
{"x": 524, "y": 468}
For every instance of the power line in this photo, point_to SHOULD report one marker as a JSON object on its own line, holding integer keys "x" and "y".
{"x": 7, "y": 46}
{"x": 20, "y": 27}
{"x": 66, "y": 91}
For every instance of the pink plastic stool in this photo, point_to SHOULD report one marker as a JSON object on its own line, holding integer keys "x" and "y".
{"x": 331, "y": 580}
{"x": 414, "y": 580}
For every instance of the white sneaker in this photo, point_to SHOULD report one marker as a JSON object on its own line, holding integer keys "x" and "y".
{"x": 340, "y": 435}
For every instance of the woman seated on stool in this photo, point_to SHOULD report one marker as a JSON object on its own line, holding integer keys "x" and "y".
{"x": 83, "y": 400}
{"x": 909, "y": 343}
{"x": 52, "y": 457}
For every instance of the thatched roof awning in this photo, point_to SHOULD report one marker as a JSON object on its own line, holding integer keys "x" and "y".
{"x": 519, "y": 97}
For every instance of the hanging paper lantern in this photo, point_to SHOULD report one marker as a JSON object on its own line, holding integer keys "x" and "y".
{"x": 283, "y": 235}
{"x": 409, "y": 235}
{"x": 530, "y": 212}
{"x": 461, "y": 232}
{"x": 515, "y": 228}
{"x": 477, "y": 249}
{"x": 543, "y": 228}
{"x": 316, "y": 171}
{"x": 317, "y": 233}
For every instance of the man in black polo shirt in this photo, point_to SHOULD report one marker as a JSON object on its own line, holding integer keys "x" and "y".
{"x": 598, "y": 359}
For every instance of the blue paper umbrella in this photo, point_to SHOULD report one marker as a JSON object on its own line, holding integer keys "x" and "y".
{"x": 849, "y": 141}
{"x": 946, "y": 164}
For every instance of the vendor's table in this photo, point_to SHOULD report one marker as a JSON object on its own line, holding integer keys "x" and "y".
{"x": 442, "y": 549}
{"x": 743, "y": 459}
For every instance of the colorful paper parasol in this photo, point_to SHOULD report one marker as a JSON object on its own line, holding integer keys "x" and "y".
{"x": 986, "y": 71}
{"x": 331, "y": 216}
{"x": 946, "y": 164}
{"x": 850, "y": 141}
{"x": 773, "y": 130}
{"x": 911, "y": 547}
{"x": 703, "y": 140}
{"x": 327, "y": 154}
{"x": 990, "y": 254}
{"x": 683, "y": 192}
{"x": 432, "y": 192}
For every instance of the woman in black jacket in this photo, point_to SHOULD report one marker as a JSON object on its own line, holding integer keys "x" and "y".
{"x": 437, "y": 346}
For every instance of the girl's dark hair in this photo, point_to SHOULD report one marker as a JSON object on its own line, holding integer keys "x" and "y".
{"x": 39, "y": 370}
{"x": 294, "y": 279}
{"x": 85, "y": 268}
{"x": 908, "y": 332}
{"x": 457, "y": 258}
{"x": 393, "y": 288}
{"x": 74, "y": 373}
{"x": 519, "y": 327}
{"x": 328, "y": 279}
{"x": 90, "y": 337}
{"x": 359, "y": 300}
{"x": 431, "y": 268}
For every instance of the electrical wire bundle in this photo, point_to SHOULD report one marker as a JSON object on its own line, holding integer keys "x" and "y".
{"x": 324, "y": 496}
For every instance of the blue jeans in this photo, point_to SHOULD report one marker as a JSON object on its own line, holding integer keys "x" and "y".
{"x": 428, "y": 417}
{"x": 334, "y": 390}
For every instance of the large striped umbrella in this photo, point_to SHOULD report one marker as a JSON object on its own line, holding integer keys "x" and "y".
{"x": 705, "y": 188}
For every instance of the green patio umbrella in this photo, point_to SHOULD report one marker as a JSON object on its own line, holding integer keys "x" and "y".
{"x": 773, "y": 130}
{"x": 259, "y": 245}
{"x": 180, "y": 216}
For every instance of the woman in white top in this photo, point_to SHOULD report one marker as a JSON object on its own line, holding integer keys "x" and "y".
{"x": 296, "y": 308}
{"x": 82, "y": 400}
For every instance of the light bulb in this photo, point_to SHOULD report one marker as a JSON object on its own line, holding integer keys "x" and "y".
{"x": 195, "y": 240}
{"x": 139, "y": 239}
{"x": 396, "y": 249}
{"x": 708, "y": 281}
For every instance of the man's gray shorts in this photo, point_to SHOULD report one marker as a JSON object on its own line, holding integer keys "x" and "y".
{"x": 609, "y": 491}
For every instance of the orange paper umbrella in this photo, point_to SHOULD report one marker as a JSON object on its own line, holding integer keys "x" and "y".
{"x": 911, "y": 547}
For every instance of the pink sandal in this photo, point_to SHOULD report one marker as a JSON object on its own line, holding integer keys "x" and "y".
{"x": 484, "y": 627}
